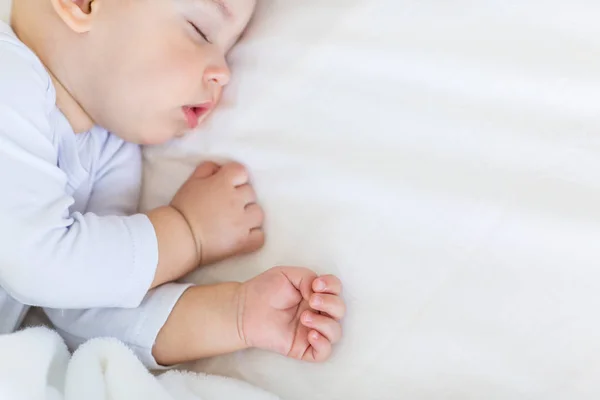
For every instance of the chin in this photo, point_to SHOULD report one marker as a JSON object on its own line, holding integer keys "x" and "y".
{"x": 156, "y": 137}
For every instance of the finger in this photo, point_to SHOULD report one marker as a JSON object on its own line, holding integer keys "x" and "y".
{"x": 256, "y": 240}
{"x": 301, "y": 278}
{"x": 328, "y": 284}
{"x": 255, "y": 215}
{"x": 328, "y": 303}
{"x": 247, "y": 194}
{"x": 236, "y": 173}
{"x": 321, "y": 348}
{"x": 326, "y": 326}
{"x": 206, "y": 169}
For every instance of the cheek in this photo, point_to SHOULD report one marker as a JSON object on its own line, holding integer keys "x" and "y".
{"x": 158, "y": 68}
{"x": 161, "y": 80}
{"x": 173, "y": 82}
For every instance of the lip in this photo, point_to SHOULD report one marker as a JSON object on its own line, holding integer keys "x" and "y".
{"x": 193, "y": 113}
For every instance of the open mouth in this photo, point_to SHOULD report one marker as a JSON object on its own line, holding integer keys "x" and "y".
{"x": 194, "y": 113}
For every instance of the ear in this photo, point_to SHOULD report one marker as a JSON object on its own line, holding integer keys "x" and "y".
{"x": 77, "y": 14}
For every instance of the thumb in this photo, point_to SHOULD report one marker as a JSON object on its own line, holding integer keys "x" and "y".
{"x": 206, "y": 169}
{"x": 301, "y": 278}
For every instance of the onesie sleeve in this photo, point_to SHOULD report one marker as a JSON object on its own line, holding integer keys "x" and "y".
{"x": 50, "y": 256}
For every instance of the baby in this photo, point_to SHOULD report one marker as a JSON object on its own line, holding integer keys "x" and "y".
{"x": 83, "y": 83}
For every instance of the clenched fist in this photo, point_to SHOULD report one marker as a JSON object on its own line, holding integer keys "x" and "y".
{"x": 219, "y": 204}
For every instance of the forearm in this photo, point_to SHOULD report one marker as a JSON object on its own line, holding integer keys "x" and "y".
{"x": 204, "y": 323}
{"x": 177, "y": 253}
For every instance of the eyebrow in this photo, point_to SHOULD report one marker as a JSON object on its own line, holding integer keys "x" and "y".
{"x": 223, "y": 7}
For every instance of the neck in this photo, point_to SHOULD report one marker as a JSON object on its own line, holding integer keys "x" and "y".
{"x": 79, "y": 120}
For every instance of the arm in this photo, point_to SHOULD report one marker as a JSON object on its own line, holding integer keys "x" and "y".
{"x": 174, "y": 324}
{"x": 177, "y": 323}
{"x": 116, "y": 192}
{"x": 50, "y": 256}
{"x": 117, "y": 174}
{"x": 287, "y": 310}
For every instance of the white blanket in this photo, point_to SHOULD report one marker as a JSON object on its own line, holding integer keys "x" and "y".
{"x": 36, "y": 365}
{"x": 442, "y": 157}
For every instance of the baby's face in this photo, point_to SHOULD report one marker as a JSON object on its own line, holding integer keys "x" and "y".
{"x": 159, "y": 66}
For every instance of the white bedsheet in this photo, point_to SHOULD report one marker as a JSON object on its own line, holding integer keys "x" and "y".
{"x": 442, "y": 157}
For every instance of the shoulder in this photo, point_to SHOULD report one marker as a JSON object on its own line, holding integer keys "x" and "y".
{"x": 27, "y": 97}
{"x": 21, "y": 71}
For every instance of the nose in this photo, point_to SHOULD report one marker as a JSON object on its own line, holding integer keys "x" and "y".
{"x": 219, "y": 75}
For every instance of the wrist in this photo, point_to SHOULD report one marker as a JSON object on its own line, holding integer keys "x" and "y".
{"x": 204, "y": 323}
{"x": 176, "y": 249}
{"x": 239, "y": 301}
{"x": 240, "y": 306}
{"x": 197, "y": 246}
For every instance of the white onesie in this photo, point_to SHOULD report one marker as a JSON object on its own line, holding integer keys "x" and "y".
{"x": 70, "y": 239}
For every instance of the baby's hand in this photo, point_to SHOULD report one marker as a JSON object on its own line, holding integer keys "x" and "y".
{"x": 293, "y": 312}
{"x": 220, "y": 206}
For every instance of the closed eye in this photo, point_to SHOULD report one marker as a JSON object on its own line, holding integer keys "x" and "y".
{"x": 202, "y": 34}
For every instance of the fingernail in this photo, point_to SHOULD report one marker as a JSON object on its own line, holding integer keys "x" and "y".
{"x": 307, "y": 317}
{"x": 320, "y": 285}
{"x": 315, "y": 336}
{"x": 317, "y": 301}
